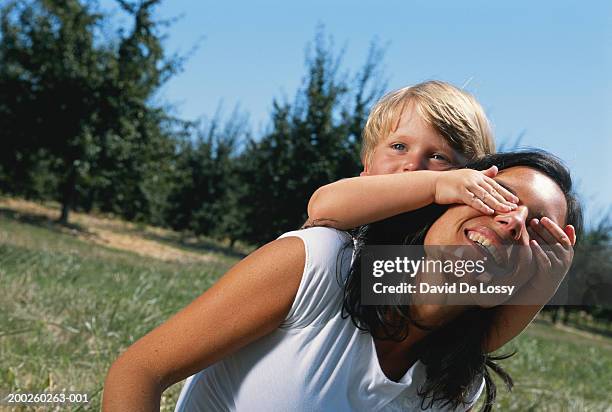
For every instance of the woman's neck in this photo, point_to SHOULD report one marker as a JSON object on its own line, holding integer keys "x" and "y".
{"x": 434, "y": 316}
{"x": 395, "y": 358}
{"x": 426, "y": 319}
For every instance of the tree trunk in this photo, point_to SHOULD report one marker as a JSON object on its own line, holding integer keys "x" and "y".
{"x": 566, "y": 314}
{"x": 65, "y": 212}
{"x": 555, "y": 315}
{"x": 68, "y": 195}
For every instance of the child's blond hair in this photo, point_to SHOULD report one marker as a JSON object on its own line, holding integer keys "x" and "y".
{"x": 454, "y": 113}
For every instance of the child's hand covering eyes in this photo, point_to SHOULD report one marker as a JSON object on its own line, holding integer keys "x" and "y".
{"x": 553, "y": 252}
{"x": 474, "y": 188}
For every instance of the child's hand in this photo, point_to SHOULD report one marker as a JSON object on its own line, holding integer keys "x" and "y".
{"x": 553, "y": 252}
{"x": 540, "y": 267}
{"x": 474, "y": 188}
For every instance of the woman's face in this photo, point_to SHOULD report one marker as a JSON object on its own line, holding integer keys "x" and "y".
{"x": 495, "y": 237}
{"x": 539, "y": 196}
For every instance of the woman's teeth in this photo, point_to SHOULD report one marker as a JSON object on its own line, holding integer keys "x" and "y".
{"x": 486, "y": 243}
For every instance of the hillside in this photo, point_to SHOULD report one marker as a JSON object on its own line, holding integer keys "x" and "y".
{"x": 73, "y": 298}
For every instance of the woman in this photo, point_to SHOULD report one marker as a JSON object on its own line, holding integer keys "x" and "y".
{"x": 272, "y": 335}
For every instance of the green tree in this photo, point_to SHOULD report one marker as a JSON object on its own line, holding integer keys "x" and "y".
{"x": 80, "y": 104}
{"x": 202, "y": 198}
{"x": 312, "y": 141}
{"x": 45, "y": 53}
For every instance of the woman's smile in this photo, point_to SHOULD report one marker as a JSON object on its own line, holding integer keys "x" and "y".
{"x": 488, "y": 241}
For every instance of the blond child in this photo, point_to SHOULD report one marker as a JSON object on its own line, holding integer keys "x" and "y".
{"x": 430, "y": 130}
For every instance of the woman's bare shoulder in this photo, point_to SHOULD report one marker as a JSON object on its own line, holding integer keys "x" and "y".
{"x": 248, "y": 302}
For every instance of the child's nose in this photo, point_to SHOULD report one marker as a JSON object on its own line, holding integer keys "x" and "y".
{"x": 414, "y": 162}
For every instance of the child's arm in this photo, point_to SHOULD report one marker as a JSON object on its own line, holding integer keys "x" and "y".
{"x": 514, "y": 317}
{"x": 356, "y": 201}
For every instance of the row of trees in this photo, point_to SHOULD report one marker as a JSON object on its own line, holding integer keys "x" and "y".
{"x": 79, "y": 123}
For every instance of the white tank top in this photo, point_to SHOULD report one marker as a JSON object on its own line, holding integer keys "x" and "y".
{"x": 315, "y": 360}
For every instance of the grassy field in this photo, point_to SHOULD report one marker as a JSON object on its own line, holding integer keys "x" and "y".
{"x": 73, "y": 298}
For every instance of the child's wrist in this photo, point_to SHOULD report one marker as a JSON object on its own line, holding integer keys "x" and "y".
{"x": 435, "y": 176}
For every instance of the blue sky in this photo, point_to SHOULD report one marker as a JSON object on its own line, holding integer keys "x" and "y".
{"x": 542, "y": 69}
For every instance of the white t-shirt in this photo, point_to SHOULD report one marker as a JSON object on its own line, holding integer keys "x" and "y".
{"x": 315, "y": 360}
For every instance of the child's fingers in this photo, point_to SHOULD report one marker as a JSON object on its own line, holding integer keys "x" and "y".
{"x": 557, "y": 250}
{"x": 559, "y": 254}
{"x": 494, "y": 199}
{"x": 551, "y": 232}
{"x": 570, "y": 231}
{"x": 555, "y": 232}
{"x": 474, "y": 201}
{"x": 563, "y": 255}
{"x": 533, "y": 234}
{"x": 541, "y": 257}
{"x": 542, "y": 231}
{"x": 494, "y": 193}
{"x": 491, "y": 171}
{"x": 551, "y": 246}
{"x": 506, "y": 194}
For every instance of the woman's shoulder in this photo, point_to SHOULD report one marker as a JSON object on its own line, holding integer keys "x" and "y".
{"x": 323, "y": 245}
{"x": 320, "y": 234}
{"x": 328, "y": 254}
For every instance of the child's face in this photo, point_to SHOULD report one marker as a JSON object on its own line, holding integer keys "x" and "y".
{"x": 413, "y": 145}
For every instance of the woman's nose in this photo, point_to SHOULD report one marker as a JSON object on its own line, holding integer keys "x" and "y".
{"x": 513, "y": 223}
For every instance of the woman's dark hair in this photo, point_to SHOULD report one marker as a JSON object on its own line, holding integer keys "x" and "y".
{"x": 453, "y": 355}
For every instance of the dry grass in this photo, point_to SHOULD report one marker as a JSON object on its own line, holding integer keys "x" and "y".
{"x": 113, "y": 233}
{"x": 70, "y": 306}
